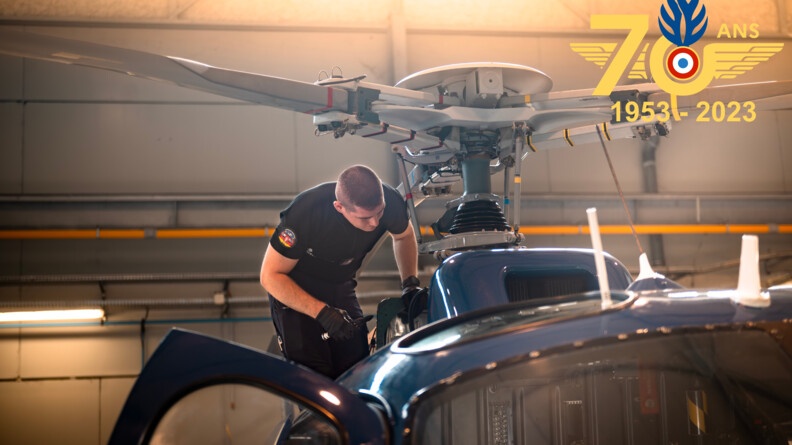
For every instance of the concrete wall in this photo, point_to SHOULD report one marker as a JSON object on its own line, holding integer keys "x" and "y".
{"x": 68, "y": 384}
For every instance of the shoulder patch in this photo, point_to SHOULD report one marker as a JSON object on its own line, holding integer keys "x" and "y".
{"x": 287, "y": 238}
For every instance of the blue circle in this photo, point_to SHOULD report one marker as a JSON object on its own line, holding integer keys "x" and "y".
{"x": 682, "y": 63}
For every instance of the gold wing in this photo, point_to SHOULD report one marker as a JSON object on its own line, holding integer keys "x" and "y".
{"x": 733, "y": 59}
{"x": 638, "y": 70}
{"x": 598, "y": 53}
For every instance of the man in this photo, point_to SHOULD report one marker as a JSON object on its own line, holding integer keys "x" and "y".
{"x": 310, "y": 265}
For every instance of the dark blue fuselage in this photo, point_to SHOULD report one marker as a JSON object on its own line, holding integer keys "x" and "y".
{"x": 487, "y": 278}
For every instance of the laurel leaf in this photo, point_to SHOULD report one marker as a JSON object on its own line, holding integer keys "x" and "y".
{"x": 676, "y": 14}
{"x": 696, "y": 23}
{"x": 670, "y": 22}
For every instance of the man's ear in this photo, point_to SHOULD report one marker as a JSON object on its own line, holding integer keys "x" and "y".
{"x": 338, "y": 206}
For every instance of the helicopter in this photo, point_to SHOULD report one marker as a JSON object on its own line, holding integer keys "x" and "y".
{"x": 446, "y": 142}
{"x": 454, "y": 124}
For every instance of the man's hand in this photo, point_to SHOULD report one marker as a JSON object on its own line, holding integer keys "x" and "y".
{"x": 337, "y": 323}
{"x": 362, "y": 321}
{"x": 411, "y": 287}
{"x": 415, "y": 299}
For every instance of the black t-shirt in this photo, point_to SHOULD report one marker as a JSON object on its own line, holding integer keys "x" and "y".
{"x": 327, "y": 246}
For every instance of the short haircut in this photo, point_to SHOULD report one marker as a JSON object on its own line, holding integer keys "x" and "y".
{"x": 359, "y": 186}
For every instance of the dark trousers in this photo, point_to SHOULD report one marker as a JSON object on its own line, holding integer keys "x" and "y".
{"x": 301, "y": 336}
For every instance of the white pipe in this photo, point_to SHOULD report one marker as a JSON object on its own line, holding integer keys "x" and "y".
{"x": 599, "y": 258}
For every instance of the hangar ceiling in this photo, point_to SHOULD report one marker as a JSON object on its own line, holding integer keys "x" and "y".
{"x": 773, "y": 16}
{"x": 389, "y": 40}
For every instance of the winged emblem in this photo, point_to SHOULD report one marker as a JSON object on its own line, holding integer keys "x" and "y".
{"x": 733, "y": 59}
{"x": 727, "y": 60}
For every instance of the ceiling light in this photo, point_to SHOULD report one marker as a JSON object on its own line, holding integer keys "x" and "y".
{"x": 52, "y": 315}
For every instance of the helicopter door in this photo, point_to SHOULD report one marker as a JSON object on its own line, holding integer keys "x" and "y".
{"x": 199, "y": 389}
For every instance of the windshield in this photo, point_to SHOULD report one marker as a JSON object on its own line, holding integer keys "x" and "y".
{"x": 729, "y": 386}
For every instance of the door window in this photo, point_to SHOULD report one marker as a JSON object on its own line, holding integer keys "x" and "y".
{"x": 240, "y": 414}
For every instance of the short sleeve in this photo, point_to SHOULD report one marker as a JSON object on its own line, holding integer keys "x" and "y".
{"x": 291, "y": 236}
{"x": 396, "y": 217}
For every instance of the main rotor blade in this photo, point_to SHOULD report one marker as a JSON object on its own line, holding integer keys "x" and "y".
{"x": 250, "y": 87}
{"x": 420, "y": 119}
{"x": 773, "y": 95}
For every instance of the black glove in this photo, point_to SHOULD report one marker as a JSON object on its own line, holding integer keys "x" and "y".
{"x": 362, "y": 321}
{"x": 415, "y": 299}
{"x": 410, "y": 288}
{"x": 337, "y": 323}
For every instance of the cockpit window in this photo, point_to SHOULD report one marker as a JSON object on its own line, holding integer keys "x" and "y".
{"x": 517, "y": 315}
{"x": 712, "y": 387}
{"x": 241, "y": 414}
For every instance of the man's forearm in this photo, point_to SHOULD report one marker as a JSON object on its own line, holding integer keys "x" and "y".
{"x": 285, "y": 290}
{"x": 406, "y": 252}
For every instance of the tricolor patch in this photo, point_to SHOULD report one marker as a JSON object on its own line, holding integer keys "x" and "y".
{"x": 287, "y": 238}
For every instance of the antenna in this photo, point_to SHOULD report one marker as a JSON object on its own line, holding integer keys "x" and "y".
{"x": 599, "y": 258}
{"x": 649, "y": 280}
{"x": 619, "y": 189}
{"x": 645, "y": 270}
{"x": 749, "y": 288}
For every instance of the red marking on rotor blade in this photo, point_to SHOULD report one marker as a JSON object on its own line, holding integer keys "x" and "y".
{"x": 329, "y": 103}
{"x": 412, "y": 136}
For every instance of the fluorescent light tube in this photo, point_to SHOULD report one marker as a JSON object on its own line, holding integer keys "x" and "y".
{"x": 53, "y": 315}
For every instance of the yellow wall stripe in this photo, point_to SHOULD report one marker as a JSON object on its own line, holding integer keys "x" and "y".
{"x": 123, "y": 234}
{"x": 551, "y": 230}
{"x": 658, "y": 229}
{"x": 72, "y": 234}
{"x": 47, "y": 234}
{"x": 748, "y": 228}
{"x": 214, "y": 233}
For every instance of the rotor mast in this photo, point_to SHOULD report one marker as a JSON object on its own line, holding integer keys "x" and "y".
{"x": 477, "y": 218}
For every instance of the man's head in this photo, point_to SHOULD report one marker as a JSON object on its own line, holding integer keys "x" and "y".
{"x": 359, "y": 197}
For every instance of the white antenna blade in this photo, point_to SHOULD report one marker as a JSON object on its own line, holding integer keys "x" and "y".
{"x": 749, "y": 287}
{"x": 646, "y": 270}
{"x": 649, "y": 280}
{"x": 599, "y": 258}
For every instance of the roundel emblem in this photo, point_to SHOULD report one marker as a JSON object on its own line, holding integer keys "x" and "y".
{"x": 683, "y": 63}
{"x": 287, "y": 238}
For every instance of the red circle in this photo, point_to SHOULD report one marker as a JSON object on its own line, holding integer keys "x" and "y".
{"x": 670, "y": 62}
